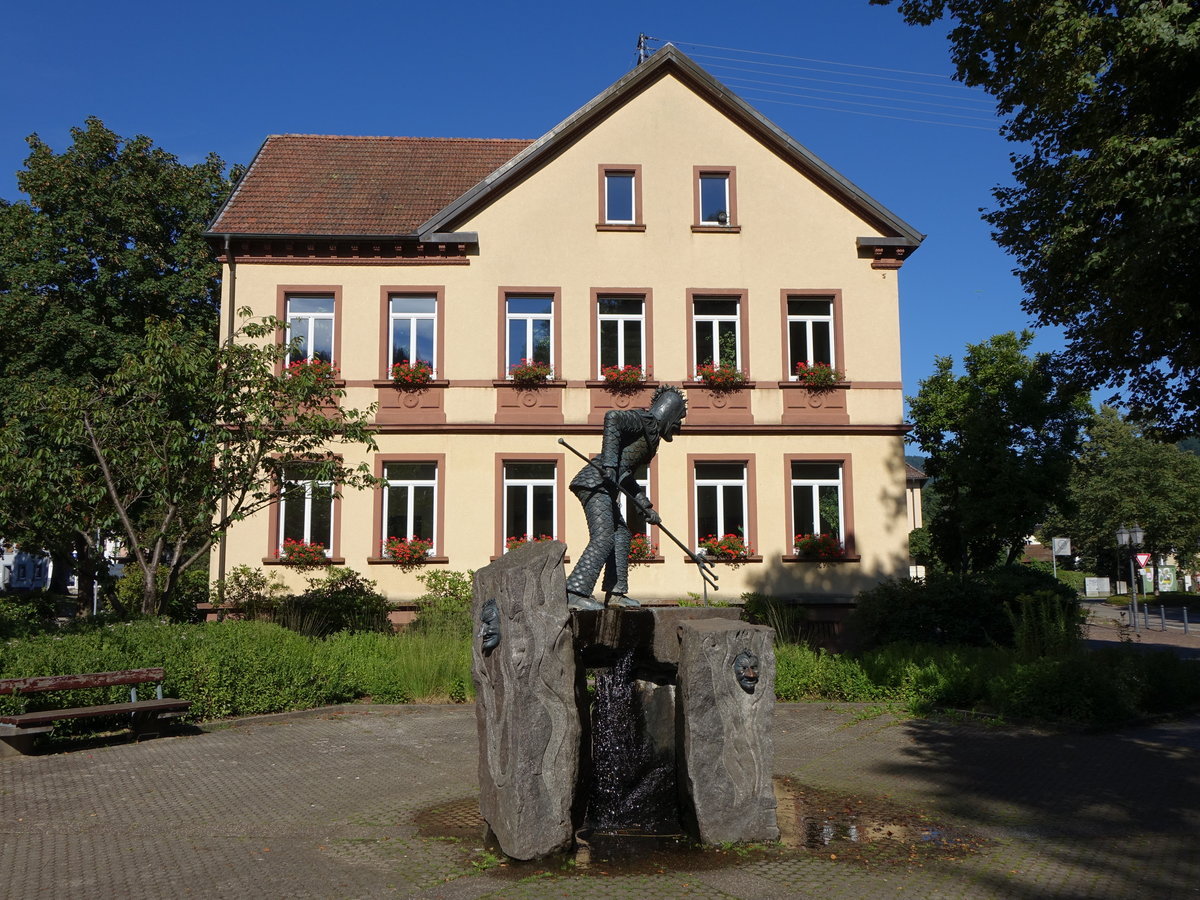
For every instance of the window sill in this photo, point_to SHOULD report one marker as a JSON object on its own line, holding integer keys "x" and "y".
{"x": 600, "y": 226}
{"x": 716, "y": 229}
{"x": 620, "y": 388}
{"x": 531, "y": 386}
{"x": 332, "y": 561}
{"x": 652, "y": 561}
{"x": 850, "y": 558}
{"x": 796, "y": 385}
{"x": 720, "y": 389}
{"x": 727, "y": 562}
{"x": 388, "y": 383}
{"x": 387, "y": 561}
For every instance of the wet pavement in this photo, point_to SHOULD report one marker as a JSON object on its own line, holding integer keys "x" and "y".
{"x": 378, "y": 801}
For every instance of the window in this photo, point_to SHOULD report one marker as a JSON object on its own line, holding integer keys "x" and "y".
{"x": 529, "y": 326}
{"x": 817, "y": 499}
{"x": 715, "y": 199}
{"x": 622, "y": 331}
{"x": 410, "y": 500}
{"x": 721, "y": 499}
{"x": 715, "y": 323}
{"x": 810, "y": 333}
{"x": 306, "y": 511}
{"x": 530, "y": 500}
{"x": 413, "y": 327}
{"x": 620, "y": 198}
{"x": 310, "y": 323}
{"x": 634, "y": 517}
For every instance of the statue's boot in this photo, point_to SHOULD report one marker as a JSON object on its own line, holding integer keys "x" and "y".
{"x": 612, "y": 598}
{"x": 580, "y": 601}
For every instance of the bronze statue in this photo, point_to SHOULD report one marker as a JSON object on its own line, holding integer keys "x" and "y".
{"x": 630, "y": 441}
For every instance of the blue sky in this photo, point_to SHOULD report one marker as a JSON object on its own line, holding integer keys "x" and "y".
{"x": 198, "y": 78}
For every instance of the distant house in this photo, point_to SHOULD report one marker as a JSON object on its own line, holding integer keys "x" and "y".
{"x": 666, "y": 225}
{"x": 914, "y": 484}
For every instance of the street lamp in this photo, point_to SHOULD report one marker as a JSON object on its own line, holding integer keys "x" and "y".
{"x": 1132, "y": 538}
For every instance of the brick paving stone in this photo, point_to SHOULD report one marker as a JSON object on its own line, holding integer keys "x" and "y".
{"x": 324, "y": 805}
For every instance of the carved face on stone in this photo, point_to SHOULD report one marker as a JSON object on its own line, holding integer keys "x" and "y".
{"x": 745, "y": 669}
{"x": 489, "y": 629}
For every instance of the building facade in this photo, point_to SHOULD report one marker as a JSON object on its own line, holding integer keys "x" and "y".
{"x": 665, "y": 226}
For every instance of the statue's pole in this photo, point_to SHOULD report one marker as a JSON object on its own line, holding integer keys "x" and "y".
{"x": 706, "y": 572}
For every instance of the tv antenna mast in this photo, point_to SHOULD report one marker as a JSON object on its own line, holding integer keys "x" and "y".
{"x": 643, "y": 52}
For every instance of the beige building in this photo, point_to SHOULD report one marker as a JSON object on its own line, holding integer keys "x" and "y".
{"x": 663, "y": 225}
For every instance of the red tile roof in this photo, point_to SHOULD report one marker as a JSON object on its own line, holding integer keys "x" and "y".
{"x": 316, "y": 184}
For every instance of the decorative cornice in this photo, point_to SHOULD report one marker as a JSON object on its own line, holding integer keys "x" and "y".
{"x": 342, "y": 250}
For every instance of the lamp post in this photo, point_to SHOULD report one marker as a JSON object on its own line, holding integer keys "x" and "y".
{"x": 1132, "y": 538}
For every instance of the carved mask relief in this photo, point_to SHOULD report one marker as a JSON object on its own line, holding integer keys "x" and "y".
{"x": 489, "y": 629}
{"x": 745, "y": 669}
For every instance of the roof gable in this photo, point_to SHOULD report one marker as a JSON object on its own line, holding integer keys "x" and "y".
{"x": 671, "y": 60}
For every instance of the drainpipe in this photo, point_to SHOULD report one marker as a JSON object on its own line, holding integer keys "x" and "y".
{"x": 231, "y": 311}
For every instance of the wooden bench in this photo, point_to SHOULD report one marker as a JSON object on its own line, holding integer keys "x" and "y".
{"x": 17, "y": 731}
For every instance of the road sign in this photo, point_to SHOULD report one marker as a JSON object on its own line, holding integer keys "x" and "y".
{"x": 1142, "y": 559}
{"x": 1061, "y": 546}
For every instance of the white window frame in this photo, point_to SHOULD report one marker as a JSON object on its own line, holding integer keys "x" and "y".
{"x": 610, "y": 176}
{"x": 289, "y": 495}
{"x": 808, "y": 321}
{"x": 530, "y": 485}
{"x": 412, "y": 319}
{"x": 623, "y": 321}
{"x": 412, "y": 484}
{"x": 714, "y": 322}
{"x": 308, "y": 320}
{"x": 815, "y": 484}
{"x": 720, "y": 484}
{"x": 528, "y": 319}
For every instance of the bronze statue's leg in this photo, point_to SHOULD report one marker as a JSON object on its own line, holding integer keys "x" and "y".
{"x": 598, "y": 510}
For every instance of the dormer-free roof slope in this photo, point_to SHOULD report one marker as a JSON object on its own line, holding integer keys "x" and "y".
{"x": 315, "y": 185}
{"x": 323, "y": 185}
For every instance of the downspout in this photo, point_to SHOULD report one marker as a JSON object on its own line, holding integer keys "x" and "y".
{"x": 231, "y": 311}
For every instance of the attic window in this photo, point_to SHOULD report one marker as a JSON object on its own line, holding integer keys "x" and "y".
{"x": 715, "y": 199}
{"x": 620, "y": 199}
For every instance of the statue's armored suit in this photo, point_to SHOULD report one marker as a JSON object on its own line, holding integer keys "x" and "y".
{"x": 631, "y": 439}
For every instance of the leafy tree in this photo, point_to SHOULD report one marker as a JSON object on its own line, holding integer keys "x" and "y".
{"x": 999, "y": 441}
{"x": 110, "y": 235}
{"x": 1103, "y": 97}
{"x": 181, "y": 424}
{"x": 1123, "y": 477}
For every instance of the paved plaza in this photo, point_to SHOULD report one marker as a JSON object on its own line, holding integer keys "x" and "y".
{"x": 379, "y": 801}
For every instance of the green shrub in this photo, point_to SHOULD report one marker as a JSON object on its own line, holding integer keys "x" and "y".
{"x": 445, "y": 607}
{"x": 1043, "y": 624}
{"x": 25, "y": 613}
{"x": 252, "y": 593}
{"x": 339, "y": 599}
{"x": 950, "y": 609}
{"x": 191, "y": 589}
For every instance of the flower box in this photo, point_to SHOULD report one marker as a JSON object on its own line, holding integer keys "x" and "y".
{"x": 408, "y": 553}
{"x": 721, "y": 377}
{"x": 818, "y": 375}
{"x": 406, "y": 375}
{"x": 818, "y": 546}
{"x": 302, "y": 554}
{"x": 530, "y": 373}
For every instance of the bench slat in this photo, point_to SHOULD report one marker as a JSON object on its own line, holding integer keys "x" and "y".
{"x": 78, "y": 682}
{"x": 41, "y": 717}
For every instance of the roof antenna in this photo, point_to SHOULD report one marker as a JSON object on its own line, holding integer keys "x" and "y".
{"x": 643, "y": 52}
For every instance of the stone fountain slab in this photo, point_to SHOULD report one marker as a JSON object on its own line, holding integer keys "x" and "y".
{"x": 526, "y": 713}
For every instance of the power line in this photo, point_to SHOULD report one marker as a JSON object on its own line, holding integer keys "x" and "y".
{"x": 828, "y": 62}
{"x": 857, "y": 112}
{"x": 980, "y": 101}
{"x": 798, "y": 90}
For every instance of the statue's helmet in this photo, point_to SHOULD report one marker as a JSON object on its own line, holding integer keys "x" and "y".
{"x": 668, "y": 406}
